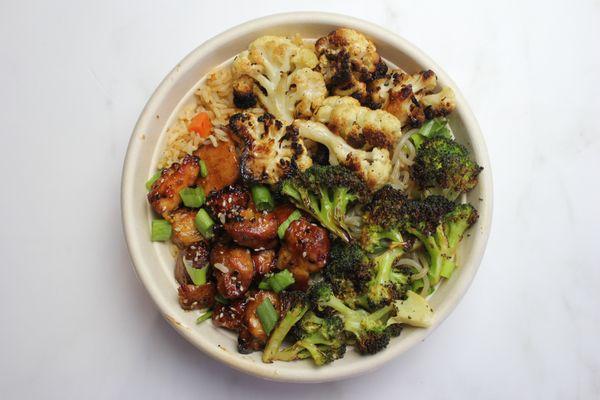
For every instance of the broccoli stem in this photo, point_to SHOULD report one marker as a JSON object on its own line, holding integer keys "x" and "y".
{"x": 354, "y": 319}
{"x": 384, "y": 263}
{"x": 434, "y": 250}
{"x": 281, "y": 331}
{"x": 294, "y": 352}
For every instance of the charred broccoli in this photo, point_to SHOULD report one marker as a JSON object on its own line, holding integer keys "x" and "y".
{"x": 318, "y": 338}
{"x": 348, "y": 272}
{"x": 384, "y": 220}
{"x": 440, "y": 225}
{"x": 444, "y": 165}
{"x": 388, "y": 284}
{"x": 368, "y": 329}
{"x": 296, "y": 305}
{"x": 326, "y": 192}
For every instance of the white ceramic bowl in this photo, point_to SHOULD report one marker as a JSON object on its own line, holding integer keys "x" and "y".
{"x": 154, "y": 263}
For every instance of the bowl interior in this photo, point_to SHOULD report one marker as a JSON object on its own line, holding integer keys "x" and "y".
{"x": 154, "y": 262}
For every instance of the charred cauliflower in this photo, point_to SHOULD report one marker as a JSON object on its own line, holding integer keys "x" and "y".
{"x": 348, "y": 61}
{"x": 410, "y": 97}
{"x": 373, "y": 166}
{"x": 272, "y": 151}
{"x": 278, "y": 73}
{"x": 361, "y": 127}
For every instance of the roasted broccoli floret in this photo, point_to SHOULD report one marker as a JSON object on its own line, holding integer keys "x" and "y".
{"x": 373, "y": 166}
{"x": 440, "y": 225}
{"x": 326, "y": 192}
{"x": 282, "y": 75}
{"x": 360, "y": 126}
{"x": 348, "y": 271}
{"x": 369, "y": 330}
{"x": 388, "y": 284}
{"x": 296, "y": 305}
{"x": 318, "y": 338}
{"x": 384, "y": 220}
{"x": 272, "y": 151}
{"x": 444, "y": 165}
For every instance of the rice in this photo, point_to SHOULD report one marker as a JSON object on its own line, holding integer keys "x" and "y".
{"x": 214, "y": 97}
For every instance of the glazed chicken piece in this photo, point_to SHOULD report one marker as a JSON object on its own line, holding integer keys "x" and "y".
{"x": 222, "y": 165}
{"x": 192, "y": 297}
{"x": 254, "y": 229}
{"x": 226, "y": 204}
{"x": 233, "y": 269}
{"x": 164, "y": 193}
{"x": 229, "y": 316}
{"x": 305, "y": 250}
{"x": 264, "y": 261}
{"x": 197, "y": 254}
{"x": 185, "y": 232}
{"x": 252, "y": 336}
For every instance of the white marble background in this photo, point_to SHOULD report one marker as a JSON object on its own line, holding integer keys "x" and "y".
{"x": 75, "y": 322}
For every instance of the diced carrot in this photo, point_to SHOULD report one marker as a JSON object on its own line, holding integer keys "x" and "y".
{"x": 201, "y": 124}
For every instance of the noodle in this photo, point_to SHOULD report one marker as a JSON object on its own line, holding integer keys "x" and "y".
{"x": 402, "y": 158}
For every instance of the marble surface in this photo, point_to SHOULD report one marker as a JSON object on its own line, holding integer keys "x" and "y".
{"x": 76, "y": 323}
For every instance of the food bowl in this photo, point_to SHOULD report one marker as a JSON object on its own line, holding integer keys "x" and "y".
{"x": 153, "y": 261}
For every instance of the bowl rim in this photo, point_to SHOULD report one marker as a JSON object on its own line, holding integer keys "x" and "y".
{"x": 134, "y": 148}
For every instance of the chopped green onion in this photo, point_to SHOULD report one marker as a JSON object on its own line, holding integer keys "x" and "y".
{"x": 447, "y": 269}
{"x": 192, "y": 197}
{"x": 286, "y": 224}
{"x": 267, "y": 315}
{"x": 220, "y": 299}
{"x": 262, "y": 198}
{"x": 417, "y": 139}
{"x": 203, "y": 169}
{"x": 198, "y": 275}
{"x": 278, "y": 281}
{"x": 437, "y": 127}
{"x": 204, "y": 223}
{"x": 161, "y": 230}
{"x": 153, "y": 179}
{"x": 204, "y": 317}
{"x": 264, "y": 285}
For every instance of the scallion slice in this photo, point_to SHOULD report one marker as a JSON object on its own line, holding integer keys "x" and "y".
{"x": 286, "y": 224}
{"x": 161, "y": 230}
{"x": 192, "y": 197}
{"x": 267, "y": 315}
{"x": 153, "y": 179}
{"x": 204, "y": 317}
{"x": 198, "y": 275}
{"x": 220, "y": 299}
{"x": 203, "y": 169}
{"x": 204, "y": 223}
{"x": 278, "y": 281}
{"x": 262, "y": 198}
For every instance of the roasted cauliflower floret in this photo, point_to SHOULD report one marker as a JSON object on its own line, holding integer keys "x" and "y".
{"x": 373, "y": 166}
{"x": 348, "y": 61}
{"x": 361, "y": 127}
{"x": 282, "y": 78}
{"x": 411, "y": 98}
{"x": 272, "y": 151}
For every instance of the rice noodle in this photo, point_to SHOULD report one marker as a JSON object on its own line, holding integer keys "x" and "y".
{"x": 402, "y": 158}
{"x": 421, "y": 271}
{"x": 426, "y": 284}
